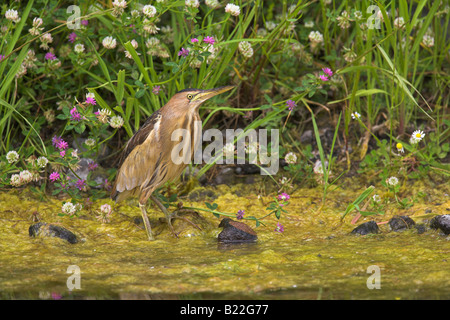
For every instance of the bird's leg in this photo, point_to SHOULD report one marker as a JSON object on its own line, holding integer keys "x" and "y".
{"x": 147, "y": 225}
{"x": 166, "y": 213}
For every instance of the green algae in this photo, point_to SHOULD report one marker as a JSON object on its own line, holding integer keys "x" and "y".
{"x": 315, "y": 257}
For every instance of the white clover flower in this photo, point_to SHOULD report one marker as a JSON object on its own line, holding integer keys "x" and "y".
{"x": 246, "y": 49}
{"x": 90, "y": 95}
{"x": 41, "y": 162}
{"x": 270, "y": 25}
{"x": 46, "y": 38}
{"x": 149, "y": 10}
{"x": 135, "y": 13}
{"x": 309, "y": 24}
{"x": 233, "y": 9}
{"x": 252, "y": 147}
{"x": 12, "y": 15}
{"x": 393, "y": 181}
{"x": 79, "y": 48}
{"x": 102, "y": 115}
{"x": 149, "y": 27}
{"x": 22, "y": 71}
{"x": 290, "y": 158}
{"x": 69, "y": 208}
{"x": 135, "y": 44}
{"x": 376, "y": 198}
{"x": 26, "y": 176}
{"x": 343, "y": 20}
{"x": 212, "y": 3}
{"x": 90, "y": 142}
{"x": 105, "y": 209}
{"x": 350, "y": 56}
{"x": 152, "y": 42}
{"x": 315, "y": 37}
{"x": 228, "y": 149}
{"x": 109, "y": 42}
{"x": 399, "y": 23}
{"x": 12, "y": 156}
{"x": 428, "y": 40}
{"x": 318, "y": 168}
{"x": 355, "y": 115}
{"x": 15, "y": 180}
{"x": 358, "y": 15}
{"x": 116, "y": 122}
{"x": 119, "y": 4}
{"x": 192, "y": 3}
{"x": 37, "y": 22}
{"x": 35, "y": 30}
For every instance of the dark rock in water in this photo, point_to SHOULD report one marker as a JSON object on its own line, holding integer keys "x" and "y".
{"x": 398, "y": 223}
{"x": 441, "y": 222}
{"x": 234, "y": 231}
{"x": 420, "y": 228}
{"x": 250, "y": 169}
{"x": 49, "y": 230}
{"x": 366, "y": 228}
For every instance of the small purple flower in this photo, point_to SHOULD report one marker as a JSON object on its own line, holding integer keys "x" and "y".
{"x": 56, "y": 140}
{"x": 327, "y": 71}
{"x": 54, "y": 176}
{"x": 209, "y": 40}
{"x": 62, "y": 153}
{"x": 56, "y": 296}
{"x": 62, "y": 145}
{"x": 92, "y": 166}
{"x": 50, "y": 56}
{"x": 194, "y": 40}
{"x": 72, "y": 37}
{"x": 156, "y": 89}
{"x": 284, "y": 197}
{"x": 90, "y": 100}
{"x": 84, "y": 22}
{"x": 107, "y": 185}
{"x": 183, "y": 52}
{"x": 76, "y": 116}
{"x": 2, "y": 57}
{"x": 80, "y": 184}
{"x": 323, "y": 77}
{"x": 240, "y": 214}
{"x": 291, "y": 104}
{"x": 279, "y": 228}
{"x": 133, "y": 26}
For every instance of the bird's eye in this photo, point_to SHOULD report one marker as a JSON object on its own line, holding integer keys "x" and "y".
{"x": 190, "y": 96}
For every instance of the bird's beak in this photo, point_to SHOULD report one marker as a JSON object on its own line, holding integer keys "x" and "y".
{"x": 208, "y": 94}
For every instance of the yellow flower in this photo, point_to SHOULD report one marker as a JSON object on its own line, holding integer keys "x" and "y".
{"x": 400, "y": 148}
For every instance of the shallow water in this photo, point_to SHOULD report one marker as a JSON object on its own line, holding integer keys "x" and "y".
{"x": 315, "y": 258}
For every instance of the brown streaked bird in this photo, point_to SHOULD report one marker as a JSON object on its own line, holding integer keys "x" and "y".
{"x": 146, "y": 162}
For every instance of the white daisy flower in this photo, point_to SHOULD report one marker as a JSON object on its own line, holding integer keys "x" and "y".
{"x": 356, "y": 115}
{"x": 418, "y": 135}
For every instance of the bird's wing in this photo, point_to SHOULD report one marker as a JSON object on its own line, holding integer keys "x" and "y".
{"x": 137, "y": 159}
{"x": 140, "y": 136}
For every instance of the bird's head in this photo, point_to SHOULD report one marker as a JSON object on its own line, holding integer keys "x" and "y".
{"x": 191, "y": 99}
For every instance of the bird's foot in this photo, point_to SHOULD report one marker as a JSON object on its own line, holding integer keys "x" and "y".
{"x": 175, "y": 215}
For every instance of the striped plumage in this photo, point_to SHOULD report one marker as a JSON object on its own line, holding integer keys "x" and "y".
{"x": 146, "y": 162}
